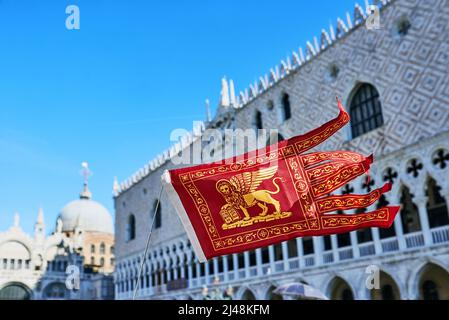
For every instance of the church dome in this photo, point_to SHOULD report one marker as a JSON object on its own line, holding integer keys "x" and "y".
{"x": 87, "y": 215}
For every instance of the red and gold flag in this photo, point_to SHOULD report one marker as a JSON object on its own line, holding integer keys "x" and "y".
{"x": 274, "y": 194}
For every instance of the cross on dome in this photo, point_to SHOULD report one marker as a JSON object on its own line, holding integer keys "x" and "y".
{"x": 86, "y": 173}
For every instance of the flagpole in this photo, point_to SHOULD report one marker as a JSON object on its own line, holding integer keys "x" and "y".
{"x": 136, "y": 286}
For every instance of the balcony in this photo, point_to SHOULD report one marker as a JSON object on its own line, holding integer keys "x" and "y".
{"x": 389, "y": 245}
{"x": 293, "y": 263}
{"x": 367, "y": 249}
{"x": 309, "y": 260}
{"x": 253, "y": 271}
{"x": 407, "y": 242}
{"x": 345, "y": 253}
{"x": 266, "y": 269}
{"x": 414, "y": 240}
{"x": 440, "y": 234}
{"x": 279, "y": 266}
{"x": 328, "y": 257}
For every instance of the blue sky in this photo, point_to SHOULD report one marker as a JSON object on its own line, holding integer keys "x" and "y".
{"x": 111, "y": 92}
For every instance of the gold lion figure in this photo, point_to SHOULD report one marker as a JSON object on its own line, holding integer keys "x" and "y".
{"x": 240, "y": 192}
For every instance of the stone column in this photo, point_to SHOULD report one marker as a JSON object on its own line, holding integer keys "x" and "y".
{"x": 216, "y": 267}
{"x": 175, "y": 273}
{"x": 168, "y": 273}
{"x": 246, "y": 262}
{"x": 236, "y": 266}
{"x": 198, "y": 271}
{"x": 354, "y": 244}
{"x": 424, "y": 219}
{"x": 259, "y": 261}
{"x": 190, "y": 274}
{"x": 225, "y": 268}
{"x": 271, "y": 257}
{"x": 334, "y": 243}
{"x": 206, "y": 271}
{"x": 183, "y": 271}
{"x": 376, "y": 240}
{"x": 300, "y": 253}
{"x": 318, "y": 250}
{"x": 285, "y": 255}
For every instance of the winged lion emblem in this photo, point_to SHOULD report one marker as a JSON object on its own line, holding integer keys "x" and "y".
{"x": 241, "y": 193}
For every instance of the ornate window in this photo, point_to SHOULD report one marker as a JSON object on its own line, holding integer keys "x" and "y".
{"x": 385, "y": 232}
{"x": 131, "y": 228}
{"x": 158, "y": 214}
{"x": 102, "y": 248}
{"x": 409, "y": 212}
{"x": 436, "y": 205}
{"x": 92, "y": 248}
{"x": 286, "y": 108}
{"x": 258, "y": 123}
{"x": 365, "y": 110}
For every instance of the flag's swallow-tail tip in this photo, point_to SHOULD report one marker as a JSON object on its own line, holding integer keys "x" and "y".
{"x": 386, "y": 187}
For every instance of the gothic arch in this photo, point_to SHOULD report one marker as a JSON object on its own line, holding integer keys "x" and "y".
{"x": 245, "y": 291}
{"x": 419, "y": 271}
{"x": 409, "y": 213}
{"x": 270, "y": 295}
{"x": 340, "y": 289}
{"x": 436, "y": 205}
{"x": 15, "y": 291}
{"x": 389, "y": 288}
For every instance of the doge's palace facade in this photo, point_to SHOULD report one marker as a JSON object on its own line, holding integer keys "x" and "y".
{"x": 394, "y": 81}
